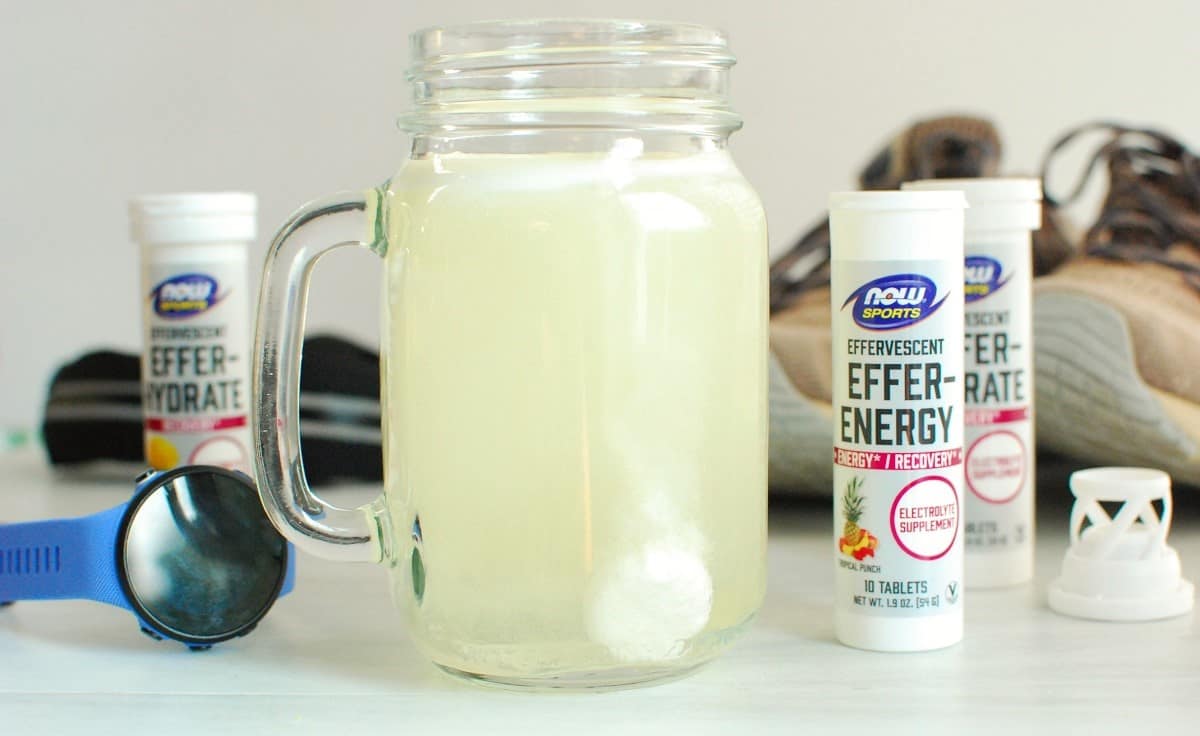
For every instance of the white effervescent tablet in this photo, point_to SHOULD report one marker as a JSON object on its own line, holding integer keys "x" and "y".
{"x": 645, "y": 605}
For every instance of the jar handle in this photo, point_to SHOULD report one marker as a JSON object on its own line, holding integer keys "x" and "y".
{"x": 325, "y": 530}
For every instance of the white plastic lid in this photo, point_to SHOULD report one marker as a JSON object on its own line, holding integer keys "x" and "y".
{"x": 995, "y": 204}
{"x": 897, "y": 201}
{"x": 209, "y": 217}
{"x": 1119, "y": 567}
{"x": 891, "y": 225}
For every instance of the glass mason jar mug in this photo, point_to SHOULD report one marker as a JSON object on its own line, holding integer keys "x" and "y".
{"x": 574, "y": 357}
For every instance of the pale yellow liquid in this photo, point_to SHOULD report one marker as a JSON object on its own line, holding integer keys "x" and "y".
{"x": 576, "y": 389}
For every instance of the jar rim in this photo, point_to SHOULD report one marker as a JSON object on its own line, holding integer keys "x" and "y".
{"x": 544, "y": 35}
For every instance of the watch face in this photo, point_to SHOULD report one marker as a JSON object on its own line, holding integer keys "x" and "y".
{"x": 200, "y": 559}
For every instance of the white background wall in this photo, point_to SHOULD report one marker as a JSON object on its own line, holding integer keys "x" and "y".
{"x": 103, "y": 100}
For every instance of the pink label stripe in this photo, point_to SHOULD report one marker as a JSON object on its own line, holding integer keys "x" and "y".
{"x": 194, "y": 424}
{"x": 874, "y": 460}
{"x": 977, "y": 417}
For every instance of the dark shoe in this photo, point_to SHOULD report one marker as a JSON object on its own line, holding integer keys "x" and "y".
{"x": 1117, "y": 330}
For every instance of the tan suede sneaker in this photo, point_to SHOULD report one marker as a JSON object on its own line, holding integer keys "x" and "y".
{"x": 801, "y": 441}
{"x": 1117, "y": 330}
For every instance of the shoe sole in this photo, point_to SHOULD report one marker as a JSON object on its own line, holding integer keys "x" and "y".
{"x": 1091, "y": 402}
{"x": 801, "y": 439}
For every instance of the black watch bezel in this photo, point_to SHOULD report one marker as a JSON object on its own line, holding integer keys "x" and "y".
{"x": 149, "y": 483}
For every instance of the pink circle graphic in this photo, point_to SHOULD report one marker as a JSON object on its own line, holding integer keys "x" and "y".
{"x": 999, "y": 448}
{"x": 925, "y": 490}
{"x": 224, "y": 452}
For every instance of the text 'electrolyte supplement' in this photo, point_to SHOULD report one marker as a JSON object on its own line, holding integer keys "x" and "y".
{"x": 998, "y": 377}
{"x": 897, "y": 299}
{"x": 195, "y": 361}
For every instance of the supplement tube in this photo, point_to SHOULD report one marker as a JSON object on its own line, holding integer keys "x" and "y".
{"x": 195, "y": 361}
{"x": 998, "y": 376}
{"x": 897, "y": 300}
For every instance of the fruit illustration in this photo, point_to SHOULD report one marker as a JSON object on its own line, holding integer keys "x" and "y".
{"x": 856, "y": 542}
{"x": 161, "y": 454}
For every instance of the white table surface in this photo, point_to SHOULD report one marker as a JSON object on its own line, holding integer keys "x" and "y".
{"x": 332, "y": 657}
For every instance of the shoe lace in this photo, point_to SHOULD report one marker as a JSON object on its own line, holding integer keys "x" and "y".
{"x": 951, "y": 146}
{"x": 805, "y": 266}
{"x": 1153, "y": 202}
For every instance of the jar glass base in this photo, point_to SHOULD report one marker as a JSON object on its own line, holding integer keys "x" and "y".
{"x": 608, "y": 679}
{"x": 615, "y": 677}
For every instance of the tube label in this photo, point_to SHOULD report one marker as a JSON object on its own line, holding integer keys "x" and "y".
{"x": 195, "y": 370}
{"x": 898, "y": 436}
{"x": 998, "y": 387}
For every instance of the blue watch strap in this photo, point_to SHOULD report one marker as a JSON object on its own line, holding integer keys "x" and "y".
{"x": 62, "y": 558}
{"x": 289, "y": 578}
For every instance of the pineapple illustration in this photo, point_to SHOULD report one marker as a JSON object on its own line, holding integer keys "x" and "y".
{"x": 856, "y": 542}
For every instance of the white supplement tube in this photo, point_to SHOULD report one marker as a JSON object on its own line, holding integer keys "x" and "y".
{"x": 897, "y": 298}
{"x": 998, "y": 377}
{"x": 196, "y": 315}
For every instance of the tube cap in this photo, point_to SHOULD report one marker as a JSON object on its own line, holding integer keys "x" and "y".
{"x": 1120, "y": 568}
{"x": 216, "y": 217}
{"x": 995, "y": 204}
{"x": 883, "y": 201}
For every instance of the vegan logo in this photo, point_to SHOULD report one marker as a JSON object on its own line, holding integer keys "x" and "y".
{"x": 891, "y": 302}
{"x": 184, "y": 296}
{"x": 983, "y": 277}
{"x": 952, "y": 592}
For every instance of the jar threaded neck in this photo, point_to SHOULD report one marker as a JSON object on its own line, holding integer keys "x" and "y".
{"x": 583, "y": 74}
